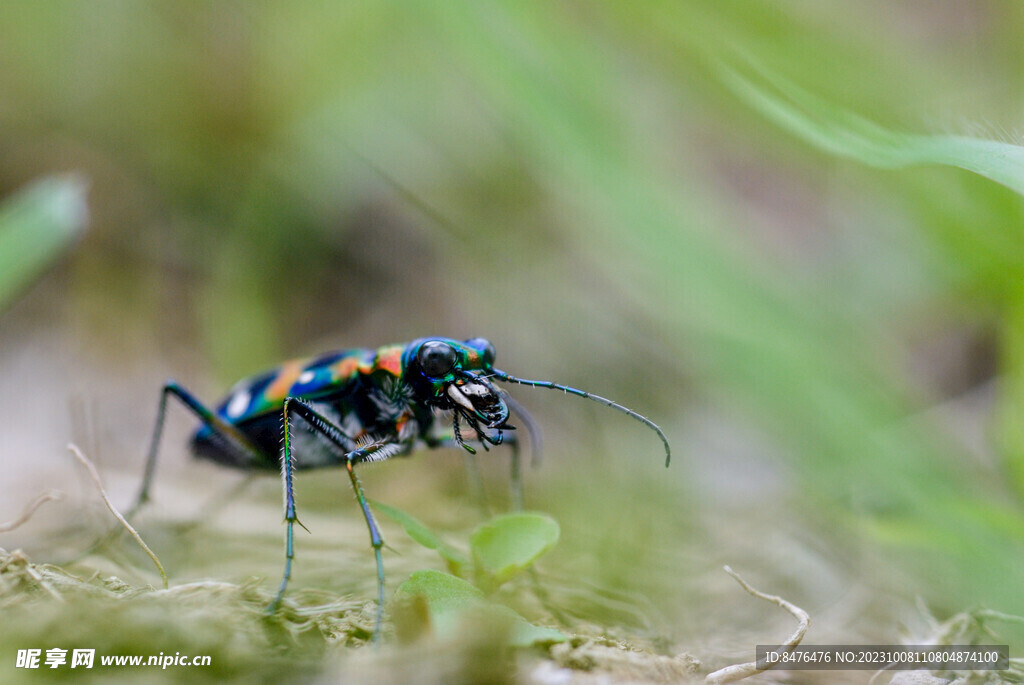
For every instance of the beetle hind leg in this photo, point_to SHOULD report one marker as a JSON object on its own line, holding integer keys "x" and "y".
{"x": 232, "y": 438}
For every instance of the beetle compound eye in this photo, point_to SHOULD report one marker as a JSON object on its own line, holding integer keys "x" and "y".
{"x": 436, "y": 358}
{"x": 485, "y": 347}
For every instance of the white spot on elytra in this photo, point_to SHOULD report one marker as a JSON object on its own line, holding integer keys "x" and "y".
{"x": 238, "y": 404}
{"x": 307, "y": 376}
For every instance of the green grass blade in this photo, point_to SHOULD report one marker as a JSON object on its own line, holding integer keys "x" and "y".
{"x": 36, "y": 225}
{"x": 1009, "y": 426}
{"x": 841, "y": 132}
{"x": 794, "y": 358}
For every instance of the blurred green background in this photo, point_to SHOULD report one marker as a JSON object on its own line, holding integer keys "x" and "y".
{"x": 755, "y": 222}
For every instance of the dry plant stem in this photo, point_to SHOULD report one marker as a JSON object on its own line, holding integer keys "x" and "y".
{"x": 998, "y": 616}
{"x": 113, "y": 510}
{"x": 964, "y": 628}
{"x": 30, "y": 509}
{"x": 736, "y": 672}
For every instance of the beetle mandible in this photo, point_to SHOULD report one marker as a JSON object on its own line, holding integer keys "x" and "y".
{"x": 359, "y": 405}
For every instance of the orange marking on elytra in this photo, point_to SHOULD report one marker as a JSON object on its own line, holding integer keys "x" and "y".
{"x": 344, "y": 368}
{"x": 389, "y": 359}
{"x": 286, "y": 377}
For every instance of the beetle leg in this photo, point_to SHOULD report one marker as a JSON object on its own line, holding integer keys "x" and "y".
{"x": 370, "y": 452}
{"x": 473, "y": 469}
{"x": 516, "y": 477}
{"x": 531, "y": 428}
{"x": 516, "y": 472}
{"x": 233, "y": 437}
{"x": 376, "y": 541}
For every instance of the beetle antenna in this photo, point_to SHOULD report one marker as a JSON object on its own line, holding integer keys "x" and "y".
{"x": 502, "y": 376}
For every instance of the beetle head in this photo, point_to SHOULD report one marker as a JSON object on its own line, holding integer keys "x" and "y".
{"x": 453, "y": 376}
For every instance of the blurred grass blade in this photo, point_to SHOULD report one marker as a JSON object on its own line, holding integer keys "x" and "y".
{"x": 841, "y": 132}
{"x": 36, "y": 225}
{"x": 1009, "y": 427}
{"x": 420, "y": 533}
{"x": 797, "y": 358}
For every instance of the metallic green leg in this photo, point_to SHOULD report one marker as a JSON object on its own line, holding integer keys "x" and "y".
{"x": 377, "y": 542}
{"x": 320, "y": 424}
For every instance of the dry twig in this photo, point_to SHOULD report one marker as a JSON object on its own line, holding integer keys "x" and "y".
{"x": 736, "y": 672}
{"x": 30, "y": 509}
{"x": 113, "y": 510}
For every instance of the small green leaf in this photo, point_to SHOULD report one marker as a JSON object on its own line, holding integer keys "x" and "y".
{"x": 419, "y": 532}
{"x": 507, "y": 544}
{"x": 36, "y": 225}
{"x": 525, "y": 634}
{"x": 452, "y": 602}
{"x": 443, "y": 591}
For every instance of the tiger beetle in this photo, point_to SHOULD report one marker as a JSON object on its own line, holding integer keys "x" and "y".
{"x": 359, "y": 406}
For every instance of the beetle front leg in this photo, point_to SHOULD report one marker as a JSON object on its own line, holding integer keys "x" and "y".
{"x": 370, "y": 452}
{"x": 376, "y": 541}
{"x": 516, "y": 475}
{"x": 290, "y": 517}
